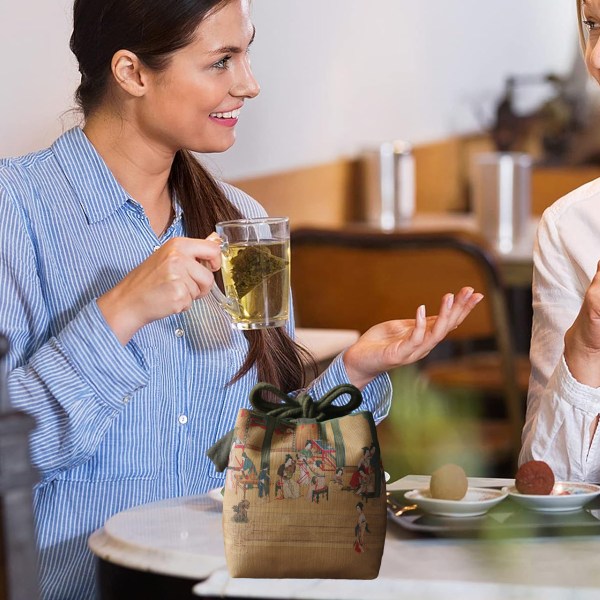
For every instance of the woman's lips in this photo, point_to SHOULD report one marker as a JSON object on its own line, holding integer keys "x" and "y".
{"x": 230, "y": 122}
{"x": 226, "y": 118}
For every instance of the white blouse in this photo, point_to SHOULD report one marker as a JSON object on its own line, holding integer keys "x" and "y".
{"x": 561, "y": 412}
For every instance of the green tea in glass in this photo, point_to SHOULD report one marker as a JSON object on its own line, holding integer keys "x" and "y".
{"x": 256, "y": 271}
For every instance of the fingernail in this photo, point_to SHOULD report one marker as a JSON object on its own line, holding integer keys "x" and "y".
{"x": 450, "y": 301}
{"x": 421, "y": 311}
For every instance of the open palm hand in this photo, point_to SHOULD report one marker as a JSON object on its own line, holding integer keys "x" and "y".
{"x": 401, "y": 342}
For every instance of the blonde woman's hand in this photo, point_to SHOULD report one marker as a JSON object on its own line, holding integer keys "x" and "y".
{"x": 396, "y": 343}
{"x": 166, "y": 283}
{"x": 582, "y": 339}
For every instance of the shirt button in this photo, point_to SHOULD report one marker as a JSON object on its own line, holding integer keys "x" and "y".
{"x": 155, "y": 248}
{"x": 182, "y": 419}
{"x": 179, "y": 332}
{"x": 126, "y": 399}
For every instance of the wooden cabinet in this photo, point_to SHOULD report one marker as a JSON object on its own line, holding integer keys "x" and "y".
{"x": 548, "y": 184}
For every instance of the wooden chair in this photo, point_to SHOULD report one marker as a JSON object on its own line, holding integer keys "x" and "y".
{"x": 359, "y": 277}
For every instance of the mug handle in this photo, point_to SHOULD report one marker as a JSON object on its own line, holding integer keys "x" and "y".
{"x": 230, "y": 305}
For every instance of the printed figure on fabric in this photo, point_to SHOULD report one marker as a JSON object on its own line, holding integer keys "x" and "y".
{"x": 264, "y": 483}
{"x": 360, "y": 529}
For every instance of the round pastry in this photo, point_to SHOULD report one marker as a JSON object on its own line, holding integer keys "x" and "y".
{"x": 535, "y": 478}
{"x": 448, "y": 483}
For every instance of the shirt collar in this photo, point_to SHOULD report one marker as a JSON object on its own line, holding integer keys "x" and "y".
{"x": 96, "y": 188}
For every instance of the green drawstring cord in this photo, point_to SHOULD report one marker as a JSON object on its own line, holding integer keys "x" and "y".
{"x": 300, "y": 407}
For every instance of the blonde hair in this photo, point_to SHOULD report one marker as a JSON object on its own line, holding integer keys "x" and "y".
{"x": 580, "y": 25}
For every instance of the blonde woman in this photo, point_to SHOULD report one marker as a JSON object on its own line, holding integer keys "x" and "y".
{"x": 563, "y": 405}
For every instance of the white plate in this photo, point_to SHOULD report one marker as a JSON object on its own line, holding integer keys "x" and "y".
{"x": 216, "y": 495}
{"x": 565, "y": 496}
{"x": 477, "y": 501}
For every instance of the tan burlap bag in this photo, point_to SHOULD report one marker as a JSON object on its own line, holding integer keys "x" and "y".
{"x": 304, "y": 492}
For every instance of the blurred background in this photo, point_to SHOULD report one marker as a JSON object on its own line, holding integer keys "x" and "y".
{"x": 335, "y": 75}
{"x": 339, "y": 78}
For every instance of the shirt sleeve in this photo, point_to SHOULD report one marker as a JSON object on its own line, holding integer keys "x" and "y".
{"x": 73, "y": 383}
{"x": 561, "y": 412}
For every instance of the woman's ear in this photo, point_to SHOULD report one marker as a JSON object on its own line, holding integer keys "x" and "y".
{"x": 127, "y": 70}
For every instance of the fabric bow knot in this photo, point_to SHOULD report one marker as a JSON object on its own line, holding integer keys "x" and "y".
{"x": 292, "y": 408}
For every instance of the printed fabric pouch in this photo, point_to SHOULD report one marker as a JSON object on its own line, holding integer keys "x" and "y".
{"x": 304, "y": 493}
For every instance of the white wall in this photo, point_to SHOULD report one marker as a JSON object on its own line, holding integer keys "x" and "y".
{"x": 336, "y": 75}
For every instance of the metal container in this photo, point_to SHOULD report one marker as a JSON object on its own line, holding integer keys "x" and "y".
{"x": 18, "y": 554}
{"x": 502, "y": 196}
{"x": 389, "y": 184}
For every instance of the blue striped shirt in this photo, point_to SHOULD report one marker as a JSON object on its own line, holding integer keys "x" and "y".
{"x": 116, "y": 426}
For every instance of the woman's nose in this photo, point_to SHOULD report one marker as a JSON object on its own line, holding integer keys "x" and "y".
{"x": 246, "y": 85}
{"x": 593, "y": 58}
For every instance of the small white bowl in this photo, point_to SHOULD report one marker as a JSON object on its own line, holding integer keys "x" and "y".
{"x": 477, "y": 502}
{"x": 565, "y": 497}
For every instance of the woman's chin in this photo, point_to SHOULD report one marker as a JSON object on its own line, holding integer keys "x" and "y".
{"x": 214, "y": 146}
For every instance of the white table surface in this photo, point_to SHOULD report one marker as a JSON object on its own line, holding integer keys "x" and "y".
{"x": 183, "y": 537}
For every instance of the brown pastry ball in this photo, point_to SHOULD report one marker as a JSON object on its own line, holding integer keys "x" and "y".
{"x": 448, "y": 483}
{"x": 535, "y": 477}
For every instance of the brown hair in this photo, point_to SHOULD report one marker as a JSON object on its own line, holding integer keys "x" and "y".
{"x": 154, "y": 30}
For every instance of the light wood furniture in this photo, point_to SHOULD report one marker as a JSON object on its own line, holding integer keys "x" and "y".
{"x": 330, "y": 194}
{"x": 548, "y": 184}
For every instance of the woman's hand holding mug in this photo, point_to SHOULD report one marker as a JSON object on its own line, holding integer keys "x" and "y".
{"x": 166, "y": 283}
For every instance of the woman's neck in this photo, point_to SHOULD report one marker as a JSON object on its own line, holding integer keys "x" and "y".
{"x": 140, "y": 167}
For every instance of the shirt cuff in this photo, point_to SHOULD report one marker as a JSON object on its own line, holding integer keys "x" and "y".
{"x": 113, "y": 371}
{"x": 377, "y": 395}
{"x": 573, "y": 392}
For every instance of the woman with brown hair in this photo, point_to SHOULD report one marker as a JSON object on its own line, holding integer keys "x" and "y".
{"x": 129, "y": 365}
{"x": 563, "y": 405}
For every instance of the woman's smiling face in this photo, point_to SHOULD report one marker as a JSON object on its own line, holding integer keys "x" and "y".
{"x": 194, "y": 103}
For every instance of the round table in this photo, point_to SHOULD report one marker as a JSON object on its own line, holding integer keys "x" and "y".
{"x": 159, "y": 550}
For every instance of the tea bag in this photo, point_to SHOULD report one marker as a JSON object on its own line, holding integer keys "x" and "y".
{"x": 252, "y": 266}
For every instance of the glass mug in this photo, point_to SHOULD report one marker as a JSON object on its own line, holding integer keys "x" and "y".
{"x": 256, "y": 271}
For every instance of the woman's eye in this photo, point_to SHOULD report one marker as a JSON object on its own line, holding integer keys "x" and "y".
{"x": 222, "y": 64}
{"x": 590, "y": 25}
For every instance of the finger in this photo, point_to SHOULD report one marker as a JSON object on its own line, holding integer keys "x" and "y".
{"x": 184, "y": 295}
{"x": 418, "y": 333}
{"x": 472, "y": 302}
{"x": 214, "y": 237}
{"x": 200, "y": 278}
{"x": 405, "y": 344}
{"x": 207, "y": 251}
{"x": 466, "y": 301}
{"x": 442, "y": 324}
{"x": 210, "y": 253}
{"x": 460, "y": 307}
